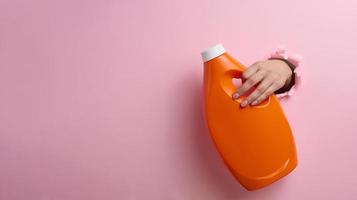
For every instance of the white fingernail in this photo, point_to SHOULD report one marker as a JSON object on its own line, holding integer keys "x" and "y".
{"x": 235, "y": 96}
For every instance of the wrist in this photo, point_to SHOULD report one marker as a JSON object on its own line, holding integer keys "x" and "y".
{"x": 290, "y": 81}
{"x": 294, "y": 62}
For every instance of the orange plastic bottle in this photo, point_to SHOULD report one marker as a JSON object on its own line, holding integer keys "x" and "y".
{"x": 256, "y": 143}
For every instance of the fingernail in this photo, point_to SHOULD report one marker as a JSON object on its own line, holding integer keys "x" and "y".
{"x": 255, "y": 103}
{"x": 235, "y": 96}
{"x": 244, "y": 103}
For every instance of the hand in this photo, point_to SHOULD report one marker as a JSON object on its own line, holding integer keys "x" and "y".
{"x": 269, "y": 76}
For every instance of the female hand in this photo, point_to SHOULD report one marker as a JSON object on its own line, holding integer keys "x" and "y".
{"x": 269, "y": 76}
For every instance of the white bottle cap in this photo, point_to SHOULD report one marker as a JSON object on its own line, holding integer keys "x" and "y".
{"x": 213, "y": 52}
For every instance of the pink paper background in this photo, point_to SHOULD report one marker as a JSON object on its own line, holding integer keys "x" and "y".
{"x": 102, "y": 99}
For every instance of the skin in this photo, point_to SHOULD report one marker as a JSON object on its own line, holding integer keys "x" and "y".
{"x": 268, "y": 76}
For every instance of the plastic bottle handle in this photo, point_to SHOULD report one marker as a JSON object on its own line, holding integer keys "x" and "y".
{"x": 233, "y": 72}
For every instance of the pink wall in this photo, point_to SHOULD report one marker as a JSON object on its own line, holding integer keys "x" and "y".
{"x": 102, "y": 99}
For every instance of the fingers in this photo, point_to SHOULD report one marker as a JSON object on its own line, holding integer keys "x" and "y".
{"x": 277, "y": 84}
{"x": 251, "y": 70}
{"x": 265, "y": 95}
{"x": 249, "y": 83}
{"x": 259, "y": 91}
